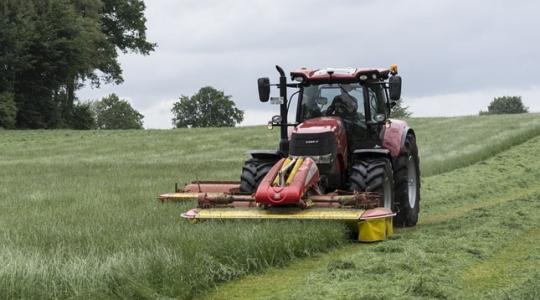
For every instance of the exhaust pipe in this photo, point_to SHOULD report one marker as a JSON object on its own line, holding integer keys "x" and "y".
{"x": 284, "y": 140}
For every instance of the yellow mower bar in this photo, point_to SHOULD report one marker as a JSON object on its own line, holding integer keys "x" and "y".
{"x": 286, "y": 213}
{"x": 371, "y": 225}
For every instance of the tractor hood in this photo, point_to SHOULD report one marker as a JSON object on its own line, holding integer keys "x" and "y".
{"x": 319, "y": 137}
{"x": 318, "y": 125}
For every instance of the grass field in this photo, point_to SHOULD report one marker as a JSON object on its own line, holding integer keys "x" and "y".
{"x": 80, "y": 219}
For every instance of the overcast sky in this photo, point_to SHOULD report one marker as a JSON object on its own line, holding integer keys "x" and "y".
{"x": 454, "y": 56}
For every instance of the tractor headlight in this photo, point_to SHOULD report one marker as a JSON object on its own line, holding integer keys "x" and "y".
{"x": 299, "y": 79}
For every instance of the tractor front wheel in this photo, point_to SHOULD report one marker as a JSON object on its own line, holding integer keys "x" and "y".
{"x": 407, "y": 179}
{"x": 374, "y": 175}
{"x": 253, "y": 172}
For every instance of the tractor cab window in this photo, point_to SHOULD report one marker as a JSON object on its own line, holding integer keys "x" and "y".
{"x": 344, "y": 100}
{"x": 377, "y": 101}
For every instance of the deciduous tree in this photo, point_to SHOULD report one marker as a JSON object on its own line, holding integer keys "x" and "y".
{"x": 207, "y": 108}
{"x": 115, "y": 113}
{"x": 49, "y": 48}
{"x": 84, "y": 117}
{"x": 399, "y": 111}
{"x": 8, "y": 111}
{"x": 506, "y": 105}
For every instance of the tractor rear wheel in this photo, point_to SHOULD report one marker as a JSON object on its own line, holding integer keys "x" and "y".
{"x": 374, "y": 175}
{"x": 407, "y": 180}
{"x": 253, "y": 172}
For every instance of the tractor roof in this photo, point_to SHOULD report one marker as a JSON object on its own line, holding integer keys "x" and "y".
{"x": 339, "y": 75}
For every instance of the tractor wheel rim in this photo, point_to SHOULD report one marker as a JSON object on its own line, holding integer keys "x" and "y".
{"x": 411, "y": 181}
{"x": 387, "y": 193}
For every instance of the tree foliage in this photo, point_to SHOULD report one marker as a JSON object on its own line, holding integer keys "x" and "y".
{"x": 506, "y": 105}
{"x": 115, "y": 113}
{"x": 207, "y": 108}
{"x": 84, "y": 117}
{"x": 8, "y": 111}
{"x": 399, "y": 111}
{"x": 49, "y": 48}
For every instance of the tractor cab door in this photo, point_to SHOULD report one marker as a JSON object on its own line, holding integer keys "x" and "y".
{"x": 367, "y": 136}
{"x": 375, "y": 105}
{"x": 377, "y": 102}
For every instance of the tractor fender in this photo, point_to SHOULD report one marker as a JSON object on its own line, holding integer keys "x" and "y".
{"x": 394, "y": 136}
{"x": 363, "y": 153}
{"x": 404, "y": 137}
{"x": 272, "y": 155}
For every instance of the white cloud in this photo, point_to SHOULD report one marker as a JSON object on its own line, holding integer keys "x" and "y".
{"x": 158, "y": 116}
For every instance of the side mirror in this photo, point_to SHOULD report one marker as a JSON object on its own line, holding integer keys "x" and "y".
{"x": 395, "y": 87}
{"x": 264, "y": 89}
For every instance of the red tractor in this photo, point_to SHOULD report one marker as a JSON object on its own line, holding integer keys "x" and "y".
{"x": 343, "y": 158}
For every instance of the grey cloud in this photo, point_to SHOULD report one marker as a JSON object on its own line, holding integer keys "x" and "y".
{"x": 441, "y": 47}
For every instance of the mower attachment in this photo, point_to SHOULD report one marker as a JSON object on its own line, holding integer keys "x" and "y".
{"x": 289, "y": 191}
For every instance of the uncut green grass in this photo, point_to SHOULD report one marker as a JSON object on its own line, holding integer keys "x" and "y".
{"x": 79, "y": 217}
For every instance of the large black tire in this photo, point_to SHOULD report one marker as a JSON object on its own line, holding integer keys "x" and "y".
{"x": 407, "y": 182}
{"x": 374, "y": 175}
{"x": 253, "y": 172}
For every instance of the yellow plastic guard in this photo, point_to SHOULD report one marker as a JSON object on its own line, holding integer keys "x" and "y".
{"x": 389, "y": 227}
{"x": 297, "y": 165}
{"x": 375, "y": 230}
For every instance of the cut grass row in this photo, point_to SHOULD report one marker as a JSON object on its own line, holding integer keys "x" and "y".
{"x": 478, "y": 238}
{"x": 79, "y": 220}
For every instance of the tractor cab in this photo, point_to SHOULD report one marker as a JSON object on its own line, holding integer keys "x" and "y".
{"x": 361, "y": 98}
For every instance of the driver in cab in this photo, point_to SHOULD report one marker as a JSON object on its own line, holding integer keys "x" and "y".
{"x": 344, "y": 105}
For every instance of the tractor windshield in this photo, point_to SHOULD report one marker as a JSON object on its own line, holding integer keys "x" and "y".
{"x": 344, "y": 100}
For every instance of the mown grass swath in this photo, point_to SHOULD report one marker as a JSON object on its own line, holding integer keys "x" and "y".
{"x": 80, "y": 219}
{"x": 478, "y": 239}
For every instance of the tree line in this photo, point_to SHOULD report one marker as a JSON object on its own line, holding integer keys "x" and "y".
{"x": 50, "y": 48}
